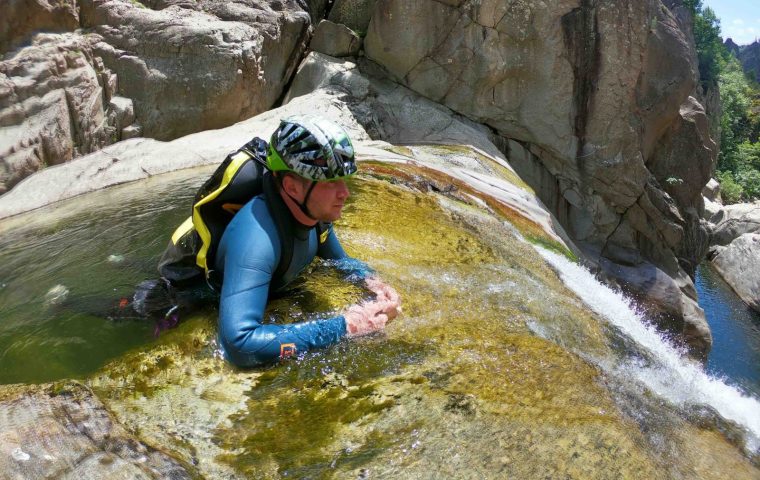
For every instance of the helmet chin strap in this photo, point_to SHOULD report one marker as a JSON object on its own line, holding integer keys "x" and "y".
{"x": 302, "y": 205}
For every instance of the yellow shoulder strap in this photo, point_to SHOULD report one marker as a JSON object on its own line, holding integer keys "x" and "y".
{"x": 237, "y": 161}
{"x": 186, "y": 226}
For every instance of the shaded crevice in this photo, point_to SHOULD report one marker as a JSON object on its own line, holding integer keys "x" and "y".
{"x": 76, "y": 133}
{"x": 546, "y": 184}
{"x": 296, "y": 58}
{"x": 328, "y": 8}
{"x": 302, "y": 49}
{"x": 603, "y": 252}
{"x": 581, "y": 36}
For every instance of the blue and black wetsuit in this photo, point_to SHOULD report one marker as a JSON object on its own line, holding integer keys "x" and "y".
{"x": 248, "y": 257}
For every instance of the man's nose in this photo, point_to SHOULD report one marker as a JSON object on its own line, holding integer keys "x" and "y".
{"x": 342, "y": 190}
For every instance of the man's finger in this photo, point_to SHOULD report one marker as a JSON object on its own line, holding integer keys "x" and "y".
{"x": 392, "y": 294}
{"x": 377, "y": 286}
{"x": 379, "y": 292}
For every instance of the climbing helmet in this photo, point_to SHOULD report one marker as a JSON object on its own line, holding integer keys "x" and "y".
{"x": 311, "y": 147}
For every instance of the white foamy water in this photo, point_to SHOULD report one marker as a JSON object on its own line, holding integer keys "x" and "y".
{"x": 668, "y": 374}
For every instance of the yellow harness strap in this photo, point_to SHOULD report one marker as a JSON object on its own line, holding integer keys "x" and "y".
{"x": 237, "y": 161}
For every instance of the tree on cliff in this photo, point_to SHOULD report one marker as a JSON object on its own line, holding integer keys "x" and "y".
{"x": 739, "y": 159}
{"x": 710, "y": 49}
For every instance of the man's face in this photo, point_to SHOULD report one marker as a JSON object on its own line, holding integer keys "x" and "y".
{"x": 327, "y": 200}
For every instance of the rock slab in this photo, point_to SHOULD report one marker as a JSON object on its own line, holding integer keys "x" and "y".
{"x": 335, "y": 40}
{"x": 62, "y": 431}
{"x": 54, "y": 106}
{"x": 123, "y": 69}
{"x": 739, "y": 264}
{"x": 735, "y": 249}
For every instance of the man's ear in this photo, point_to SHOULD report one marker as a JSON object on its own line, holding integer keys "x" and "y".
{"x": 291, "y": 186}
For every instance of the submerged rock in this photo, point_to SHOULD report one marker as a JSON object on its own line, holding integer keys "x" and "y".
{"x": 56, "y": 295}
{"x": 62, "y": 431}
{"x": 115, "y": 258}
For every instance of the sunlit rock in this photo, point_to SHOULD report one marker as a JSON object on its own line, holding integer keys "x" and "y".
{"x": 739, "y": 264}
{"x": 495, "y": 366}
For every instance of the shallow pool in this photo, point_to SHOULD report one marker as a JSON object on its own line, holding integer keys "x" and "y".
{"x": 735, "y": 354}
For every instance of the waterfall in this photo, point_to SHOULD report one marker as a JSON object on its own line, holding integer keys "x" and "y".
{"x": 667, "y": 372}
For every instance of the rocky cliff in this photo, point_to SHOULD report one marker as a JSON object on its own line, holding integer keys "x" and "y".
{"x": 592, "y": 101}
{"x": 503, "y": 364}
{"x": 160, "y": 70}
{"x": 749, "y": 55}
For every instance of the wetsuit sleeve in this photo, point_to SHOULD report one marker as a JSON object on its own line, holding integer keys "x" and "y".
{"x": 331, "y": 249}
{"x": 248, "y": 270}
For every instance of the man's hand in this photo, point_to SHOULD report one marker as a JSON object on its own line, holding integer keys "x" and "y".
{"x": 372, "y": 316}
{"x": 385, "y": 293}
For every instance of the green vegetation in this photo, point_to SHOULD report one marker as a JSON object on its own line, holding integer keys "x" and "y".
{"x": 739, "y": 157}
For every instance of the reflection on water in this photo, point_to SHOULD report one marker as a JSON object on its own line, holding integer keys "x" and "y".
{"x": 64, "y": 268}
{"x": 735, "y": 328}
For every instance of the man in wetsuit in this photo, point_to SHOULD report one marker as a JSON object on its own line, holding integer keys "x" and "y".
{"x": 309, "y": 158}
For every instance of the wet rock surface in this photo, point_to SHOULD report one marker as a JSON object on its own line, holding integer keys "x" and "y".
{"x": 62, "y": 431}
{"x": 494, "y": 369}
{"x": 601, "y": 121}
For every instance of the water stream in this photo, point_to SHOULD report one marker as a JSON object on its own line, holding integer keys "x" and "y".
{"x": 664, "y": 370}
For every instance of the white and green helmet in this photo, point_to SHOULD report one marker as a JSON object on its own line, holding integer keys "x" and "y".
{"x": 311, "y": 147}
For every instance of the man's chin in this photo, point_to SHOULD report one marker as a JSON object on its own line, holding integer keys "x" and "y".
{"x": 330, "y": 217}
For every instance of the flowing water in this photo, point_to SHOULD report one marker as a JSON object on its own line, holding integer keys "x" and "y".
{"x": 656, "y": 363}
{"x": 506, "y": 363}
